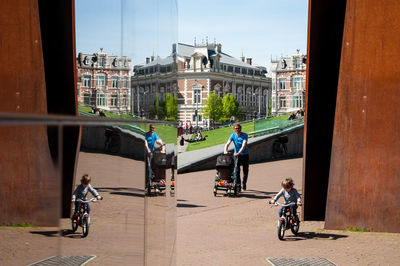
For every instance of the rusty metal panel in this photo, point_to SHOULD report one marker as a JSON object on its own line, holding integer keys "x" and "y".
{"x": 38, "y": 76}
{"x": 325, "y": 27}
{"x": 29, "y": 187}
{"x": 364, "y": 179}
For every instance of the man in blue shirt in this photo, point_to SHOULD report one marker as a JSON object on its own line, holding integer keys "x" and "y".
{"x": 241, "y": 154}
{"x": 151, "y": 138}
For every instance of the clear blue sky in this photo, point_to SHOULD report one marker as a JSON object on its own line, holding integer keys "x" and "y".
{"x": 259, "y": 28}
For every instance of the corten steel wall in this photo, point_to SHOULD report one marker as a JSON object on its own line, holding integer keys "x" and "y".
{"x": 364, "y": 181}
{"x": 29, "y": 183}
{"x": 325, "y": 26}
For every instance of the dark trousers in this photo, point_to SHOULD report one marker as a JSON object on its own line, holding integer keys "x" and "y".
{"x": 241, "y": 160}
{"x": 149, "y": 171}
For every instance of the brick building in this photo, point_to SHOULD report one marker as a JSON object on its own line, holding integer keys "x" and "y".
{"x": 193, "y": 72}
{"x": 104, "y": 81}
{"x": 288, "y": 76}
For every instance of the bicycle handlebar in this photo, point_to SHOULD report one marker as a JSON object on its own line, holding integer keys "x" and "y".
{"x": 283, "y": 205}
{"x": 91, "y": 200}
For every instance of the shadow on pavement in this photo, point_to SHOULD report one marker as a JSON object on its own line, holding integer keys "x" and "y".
{"x": 183, "y": 205}
{"x": 65, "y": 232}
{"x": 46, "y": 233}
{"x": 313, "y": 235}
{"x": 128, "y": 194}
{"x": 124, "y": 191}
{"x": 107, "y": 189}
{"x": 257, "y": 194}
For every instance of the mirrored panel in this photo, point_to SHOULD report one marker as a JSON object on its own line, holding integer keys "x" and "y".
{"x": 30, "y": 186}
{"x": 111, "y": 225}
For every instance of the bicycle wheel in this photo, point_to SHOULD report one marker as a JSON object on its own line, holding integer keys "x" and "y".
{"x": 85, "y": 227}
{"x": 74, "y": 223}
{"x": 295, "y": 226}
{"x": 281, "y": 230}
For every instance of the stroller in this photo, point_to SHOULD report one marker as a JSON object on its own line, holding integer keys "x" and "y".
{"x": 224, "y": 178}
{"x": 158, "y": 164}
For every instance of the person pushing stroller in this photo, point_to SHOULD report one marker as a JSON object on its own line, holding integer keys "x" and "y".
{"x": 241, "y": 154}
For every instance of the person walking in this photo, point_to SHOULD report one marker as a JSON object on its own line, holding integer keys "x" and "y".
{"x": 151, "y": 138}
{"x": 241, "y": 154}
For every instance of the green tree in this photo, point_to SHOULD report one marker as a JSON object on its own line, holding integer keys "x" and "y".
{"x": 155, "y": 111}
{"x": 171, "y": 107}
{"x": 270, "y": 108}
{"x": 230, "y": 107}
{"x": 212, "y": 109}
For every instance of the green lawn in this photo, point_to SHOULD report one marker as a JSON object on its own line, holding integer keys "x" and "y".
{"x": 218, "y": 136}
{"x": 108, "y": 114}
{"x": 221, "y": 135}
{"x": 167, "y": 133}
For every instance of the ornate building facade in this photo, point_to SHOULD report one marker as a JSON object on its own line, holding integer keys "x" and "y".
{"x": 104, "y": 81}
{"x": 288, "y": 76}
{"x": 193, "y": 72}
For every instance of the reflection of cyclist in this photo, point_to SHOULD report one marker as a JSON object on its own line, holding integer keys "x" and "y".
{"x": 81, "y": 192}
{"x": 241, "y": 153}
{"x": 151, "y": 138}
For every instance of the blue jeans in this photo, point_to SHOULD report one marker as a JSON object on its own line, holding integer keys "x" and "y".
{"x": 244, "y": 161}
{"x": 293, "y": 209}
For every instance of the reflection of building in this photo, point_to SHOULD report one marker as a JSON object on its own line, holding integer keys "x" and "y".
{"x": 104, "y": 81}
{"x": 192, "y": 72}
{"x": 288, "y": 83}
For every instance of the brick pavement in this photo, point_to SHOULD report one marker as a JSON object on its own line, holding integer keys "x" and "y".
{"x": 242, "y": 231}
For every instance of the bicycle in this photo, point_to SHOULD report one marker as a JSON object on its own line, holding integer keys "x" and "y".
{"x": 82, "y": 218}
{"x": 287, "y": 220}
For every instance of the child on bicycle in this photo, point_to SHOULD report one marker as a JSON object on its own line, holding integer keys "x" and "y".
{"x": 290, "y": 195}
{"x": 81, "y": 192}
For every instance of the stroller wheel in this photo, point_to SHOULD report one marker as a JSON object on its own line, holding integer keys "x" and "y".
{"x": 215, "y": 191}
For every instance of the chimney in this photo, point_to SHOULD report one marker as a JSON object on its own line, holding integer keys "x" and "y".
{"x": 218, "y": 47}
{"x": 242, "y": 58}
{"x": 147, "y": 60}
{"x": 248, "y": 61}
{"x": 152, "y": 58}
{"x": 174, "y": 48}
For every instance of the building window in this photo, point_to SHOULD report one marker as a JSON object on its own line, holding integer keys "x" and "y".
{"x": 274, "y": 102}
{"x": 296, "y": 82}
{"x": 282, "y": 101}
{"x": 101, "y": 80}
{"x": 124, "y": 100}
{"x": 282, "y": 83}
{"x": 197, "y": 96}
{"x": 86, "y": 81}
{"x": 101, "y": 61}
{"x": 125, "y": 82}
{"x": 114, "y": 100}
{"x": 114, "y": 82}
{"x": 273, "y": 84}
{"x": 297, "y": 62}
{"x": 294, "y": 101}
{"x": 101, "y": 99}
{"x": 86, "y": 98}
{"x": 194, "y": 118}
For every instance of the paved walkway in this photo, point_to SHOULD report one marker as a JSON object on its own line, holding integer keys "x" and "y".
{"x": 242, "y": 231}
